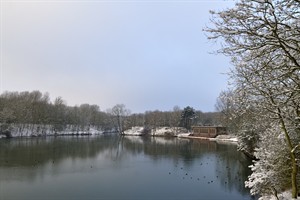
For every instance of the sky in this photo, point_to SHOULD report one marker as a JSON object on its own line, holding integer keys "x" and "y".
{"x": 146, "y": 54}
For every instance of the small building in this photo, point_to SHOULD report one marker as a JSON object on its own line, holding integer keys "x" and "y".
{"x": 208, "y": 131}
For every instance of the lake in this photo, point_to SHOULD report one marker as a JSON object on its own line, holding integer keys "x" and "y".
{"x": 121, "y": 168}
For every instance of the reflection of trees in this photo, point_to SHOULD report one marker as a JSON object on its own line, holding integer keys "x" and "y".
{"x": 172, "y": 148}
{"x": 230, "y": 165}
{"x": 232, "y": 168}
{"x": 38, "y": 151}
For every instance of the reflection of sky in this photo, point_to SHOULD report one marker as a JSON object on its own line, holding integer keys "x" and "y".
{"x": 110, "y": 168}
{"x": 146, "y": 54}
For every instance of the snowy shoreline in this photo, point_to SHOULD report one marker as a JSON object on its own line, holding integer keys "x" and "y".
{"x": 37, "y": 130}
{"x": 175, "y": 132}
{"x": 223, "y": 138}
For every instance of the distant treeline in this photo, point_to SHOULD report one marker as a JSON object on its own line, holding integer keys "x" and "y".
{"x": 36, "y": 108}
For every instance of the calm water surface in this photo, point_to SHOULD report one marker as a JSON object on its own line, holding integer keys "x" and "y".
{"x": 121, "y": 168}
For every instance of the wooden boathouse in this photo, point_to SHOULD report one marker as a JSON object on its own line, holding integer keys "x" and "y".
{"x": 208, "y": 131}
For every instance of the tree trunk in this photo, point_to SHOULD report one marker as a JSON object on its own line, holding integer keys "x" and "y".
{"x": 294, "y": 176}
{"x": 275, "y": 193}
{"x": 293, "y": 159}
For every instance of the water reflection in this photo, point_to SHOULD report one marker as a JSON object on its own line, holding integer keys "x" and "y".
{"x": 231, "y": 167}
{"x": 195, "y": 165}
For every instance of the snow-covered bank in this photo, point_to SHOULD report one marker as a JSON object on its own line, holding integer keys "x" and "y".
{"x": 225, "y": 138}
{"x": 175, "y": 132}
{"x": 219, "y": 138}
{"x": 287, "y": 195}
{"x": 33, "y": 130}
{"x": 159, "y": 131}
{"x": 168, "y": 131}
{"x": 135, "y": 131}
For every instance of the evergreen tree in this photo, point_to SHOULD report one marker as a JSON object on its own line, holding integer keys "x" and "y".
{"x": 187, "y": 116}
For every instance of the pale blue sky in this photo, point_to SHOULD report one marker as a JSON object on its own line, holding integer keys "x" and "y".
{"x": 145, "y": 54}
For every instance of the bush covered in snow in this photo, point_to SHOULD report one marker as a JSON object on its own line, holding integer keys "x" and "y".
{"x": 271, "y": 173}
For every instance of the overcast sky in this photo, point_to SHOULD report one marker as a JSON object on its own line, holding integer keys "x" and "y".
{"x": 145, "y": 54}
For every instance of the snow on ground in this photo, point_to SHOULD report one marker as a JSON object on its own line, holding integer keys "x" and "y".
{"x": 31, "y": 130}
{"x": 176, "y": 132}
{"x": 159, "y": 131}
{"x": 183, "y": 135}
{"x": 219, "y": 138}
{"x": 136, "y": 130}
{"x": 228, "y": 138}
{"x": 287, "y": 195}
{"x": 167, "y": 131}
{"x": 94, "y": 131}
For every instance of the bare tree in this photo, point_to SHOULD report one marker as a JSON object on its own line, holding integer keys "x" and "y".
{"x": 175, "y": 116}
{"x": 263, "y": 39}
{"x": 120, "y": 112}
